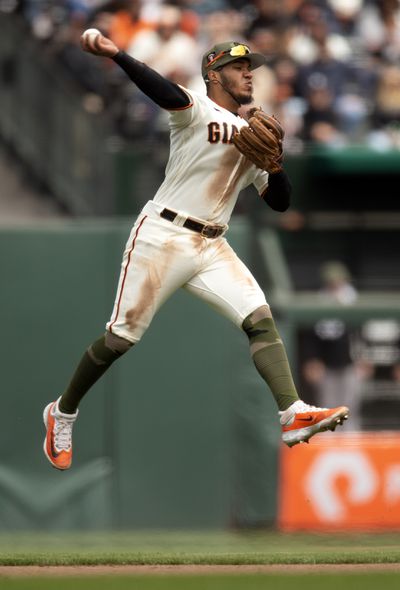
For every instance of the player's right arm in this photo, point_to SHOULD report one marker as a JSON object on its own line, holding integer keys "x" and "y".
{"x": 163, "y": 92}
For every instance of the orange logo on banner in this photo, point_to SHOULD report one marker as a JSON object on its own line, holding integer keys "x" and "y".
{"x": 343, "y": 481}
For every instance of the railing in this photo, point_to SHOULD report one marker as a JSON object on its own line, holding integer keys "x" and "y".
{"x": 43, "y": 119}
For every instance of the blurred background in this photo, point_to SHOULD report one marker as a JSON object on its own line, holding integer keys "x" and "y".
{"x": 182, "y": 434}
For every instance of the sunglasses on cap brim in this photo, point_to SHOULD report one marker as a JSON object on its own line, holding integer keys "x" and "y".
{"x": 236, "y": 51}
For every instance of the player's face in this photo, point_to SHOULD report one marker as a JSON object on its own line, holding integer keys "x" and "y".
{"x": 237, "y": 78}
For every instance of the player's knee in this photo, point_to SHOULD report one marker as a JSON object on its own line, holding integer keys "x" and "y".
{"x": 117, "y": 343}
{"x": 261, "y": 313}
{"x": 256, "y": 319}
{"x": 260, "y": 329}
{"x": 108, "y": 348}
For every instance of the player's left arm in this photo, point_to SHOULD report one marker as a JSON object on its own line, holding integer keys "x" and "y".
{"x": 278, "y": 192}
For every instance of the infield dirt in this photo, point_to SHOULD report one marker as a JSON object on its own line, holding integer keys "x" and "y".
{"x": 101, "y": 570}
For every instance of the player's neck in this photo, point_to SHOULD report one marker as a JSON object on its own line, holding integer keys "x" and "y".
{"x": 223, "y": 99}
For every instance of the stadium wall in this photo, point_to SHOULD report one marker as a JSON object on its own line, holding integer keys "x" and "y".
{"x": 179, "y": 433}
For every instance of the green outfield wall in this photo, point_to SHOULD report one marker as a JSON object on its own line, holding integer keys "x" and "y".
{"x": 181, "y": 432}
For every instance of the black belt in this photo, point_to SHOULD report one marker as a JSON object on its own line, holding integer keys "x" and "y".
{"x": 208, "y": 231}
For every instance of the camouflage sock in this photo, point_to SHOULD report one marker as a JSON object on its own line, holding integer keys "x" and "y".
{"x": 93, "y": 364}
{"x": 270, "y": 359}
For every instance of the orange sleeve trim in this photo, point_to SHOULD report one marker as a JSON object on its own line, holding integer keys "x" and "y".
{"x": 189, "y": 106}
{"x": 181, "y": 108}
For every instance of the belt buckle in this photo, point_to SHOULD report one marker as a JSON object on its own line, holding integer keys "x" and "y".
{"x": 209, "y": 231}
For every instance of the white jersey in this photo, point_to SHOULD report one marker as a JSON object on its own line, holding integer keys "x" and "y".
{"x": 205, "y": 172}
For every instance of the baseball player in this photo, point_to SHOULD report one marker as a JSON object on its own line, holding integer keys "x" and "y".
{"x": 178, "y": 239}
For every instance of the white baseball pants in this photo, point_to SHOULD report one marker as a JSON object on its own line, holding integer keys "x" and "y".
{"x": 161, "y": 257}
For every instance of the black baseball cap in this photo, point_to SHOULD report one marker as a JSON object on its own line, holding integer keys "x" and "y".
{"x": 225, "y": 53}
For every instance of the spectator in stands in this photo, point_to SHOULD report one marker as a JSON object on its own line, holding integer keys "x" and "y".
{"x": 267, "y": 42}
{"x": 345, "y": 15}
{"x": 337, "y": 286}
{"x": 387, "y": 102}
{"x": 336, "y": 111}
{"x": 321, "y": 123}
{"x": 383, "y": 131}
{"x": 269, "y": 14}
{"x": 328, "y": 366}
{"x": 323, "y": 67}
{"x": 222, "y": 24}
{"x": 125, "y": 21}
{"x": 378, "y": 28}
{"x": 167, "y": 49}
{"x": 311, "y": 30}
{"x": 203, "y": 7}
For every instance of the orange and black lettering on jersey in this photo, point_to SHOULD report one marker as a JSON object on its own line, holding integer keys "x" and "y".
{"x": 221, "y": 132}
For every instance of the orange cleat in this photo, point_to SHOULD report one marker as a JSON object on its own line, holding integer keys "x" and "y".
{"x": 300, "y": 421}
{"x": 57, "y": 445}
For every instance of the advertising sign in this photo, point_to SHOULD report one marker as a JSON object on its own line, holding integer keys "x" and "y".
{"x": 341, "y": 481}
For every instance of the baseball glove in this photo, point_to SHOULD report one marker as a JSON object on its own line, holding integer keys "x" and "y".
{"x": 261, "y": 141}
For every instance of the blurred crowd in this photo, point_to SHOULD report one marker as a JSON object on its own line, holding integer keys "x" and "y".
{"x": 332, "y": 73}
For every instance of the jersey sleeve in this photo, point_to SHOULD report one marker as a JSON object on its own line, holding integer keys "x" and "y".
{"x": 188, "y": 115}
{"x": 261, "y": 181}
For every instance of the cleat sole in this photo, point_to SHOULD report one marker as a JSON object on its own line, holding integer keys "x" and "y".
{"x": 292, "y": 438}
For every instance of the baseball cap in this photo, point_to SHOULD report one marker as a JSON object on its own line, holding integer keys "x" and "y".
{"x": 225, "y": 53}
{"x": 334, "y": 271}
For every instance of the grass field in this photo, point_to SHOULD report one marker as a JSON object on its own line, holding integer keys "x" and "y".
{"x": 181, "y": 547}
{"x": 229, "y": 582}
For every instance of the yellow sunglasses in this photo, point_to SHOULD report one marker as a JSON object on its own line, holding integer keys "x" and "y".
{"x": 239, "y": 50}
{"x": 235, "y": 51}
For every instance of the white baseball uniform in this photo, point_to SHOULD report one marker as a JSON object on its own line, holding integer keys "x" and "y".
{"x": 204, "y": 176}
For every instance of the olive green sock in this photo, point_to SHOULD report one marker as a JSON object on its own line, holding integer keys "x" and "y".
{"x": 270, "y": 359}
{"x": 93, "y": 364}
